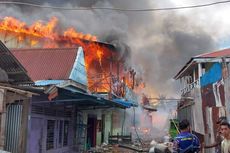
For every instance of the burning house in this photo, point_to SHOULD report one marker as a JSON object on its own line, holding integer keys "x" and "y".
{"x": 205, "y": 92}
{"x": 80, "y": 85}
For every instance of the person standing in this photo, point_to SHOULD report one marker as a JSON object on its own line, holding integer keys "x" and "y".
{"x": 219, "y": 137}
{"x": 185, "y": 141}
{"x": 225, "y": 131}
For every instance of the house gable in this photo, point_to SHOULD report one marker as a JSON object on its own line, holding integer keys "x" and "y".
{"x": 78, "y": 72}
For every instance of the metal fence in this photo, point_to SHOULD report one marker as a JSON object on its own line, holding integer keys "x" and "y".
{"x": 13, "y": 125}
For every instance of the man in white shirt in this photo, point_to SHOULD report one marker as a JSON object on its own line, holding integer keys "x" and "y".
{"x": 225, "y": 131}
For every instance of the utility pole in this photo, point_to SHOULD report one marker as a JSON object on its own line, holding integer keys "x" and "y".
{"x": 110, "y": 77}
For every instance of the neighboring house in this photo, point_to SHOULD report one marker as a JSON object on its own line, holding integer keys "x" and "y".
{"x": 205, "y": 93}
{"x": 65, "y": 117}
{"x": 14, "y": 103}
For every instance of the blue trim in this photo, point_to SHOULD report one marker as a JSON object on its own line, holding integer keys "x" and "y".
{"x": 89, "y": 100}
{"x": 48, "y": 82}
{"x": 78, "y": 73}
{"x": 126, "y": 103}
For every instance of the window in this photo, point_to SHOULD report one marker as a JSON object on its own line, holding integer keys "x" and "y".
{"x": 66, "y": 131}
{"x": 50, "y": 134}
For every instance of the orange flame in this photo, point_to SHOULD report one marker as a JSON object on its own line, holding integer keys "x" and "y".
{"x": 47, "y": 35}
{"x": 72, "y": 33}
{"x": 47, "y": 30}
{"x": 40, "y": 29}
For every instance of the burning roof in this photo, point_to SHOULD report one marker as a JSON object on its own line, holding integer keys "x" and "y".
{"x": 105, "y": 64}
{"x": 42, "y": 30}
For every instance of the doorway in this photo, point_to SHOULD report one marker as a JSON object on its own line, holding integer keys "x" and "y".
{"x": 91, "y": 131}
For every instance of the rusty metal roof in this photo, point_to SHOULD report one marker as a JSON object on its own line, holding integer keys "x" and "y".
{"x": 47, "y": 63}
{"x": 216, "y": 54}
{"x": 13, "y": 68}
{"x": 221, "y": 53}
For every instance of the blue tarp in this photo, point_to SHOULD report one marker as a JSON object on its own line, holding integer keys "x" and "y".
{"x": 124, "y": 102}
{"x": 213, "y": 75}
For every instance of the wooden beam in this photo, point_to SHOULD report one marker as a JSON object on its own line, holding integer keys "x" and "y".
{"x": 11, "y": 97}
{"x": 24, "y": 126}
{"x": 18, "y": 91}
{"x": 2, "y": 118}
{"x": 16, "y": 72}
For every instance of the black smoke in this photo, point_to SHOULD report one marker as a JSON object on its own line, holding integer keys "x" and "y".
{"x": 157, "y": 44}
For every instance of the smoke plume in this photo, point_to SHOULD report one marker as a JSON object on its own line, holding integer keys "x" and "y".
{"x": 160, "y": 42}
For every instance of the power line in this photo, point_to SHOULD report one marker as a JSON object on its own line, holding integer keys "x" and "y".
{"x": 116, "y": 9}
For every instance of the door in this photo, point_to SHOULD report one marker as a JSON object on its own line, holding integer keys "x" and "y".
{"x": 91, "y": 132}
{"x": 13, "y": 126}
{"x": 35, "y": 138}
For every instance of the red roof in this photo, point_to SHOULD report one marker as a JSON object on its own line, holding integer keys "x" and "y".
{"x": 221, "y": 53}
{"x": 47, "y": 63}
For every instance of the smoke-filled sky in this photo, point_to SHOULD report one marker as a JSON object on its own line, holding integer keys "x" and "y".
{"x": 160, "y": 42}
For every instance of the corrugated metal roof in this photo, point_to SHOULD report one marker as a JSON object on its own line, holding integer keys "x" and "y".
{"x": 221, "y": 53}
{"x": 47, "y": 63}
{"x": 15, "y": 71}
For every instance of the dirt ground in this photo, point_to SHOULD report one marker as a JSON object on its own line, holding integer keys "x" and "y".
{"x": 112, "y": 149}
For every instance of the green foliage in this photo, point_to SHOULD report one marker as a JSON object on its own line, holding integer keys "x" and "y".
{"x": 173, "y": 128}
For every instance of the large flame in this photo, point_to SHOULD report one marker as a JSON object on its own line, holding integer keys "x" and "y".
{"x": 98, "y": 57}
{"x": 40, "y": 29}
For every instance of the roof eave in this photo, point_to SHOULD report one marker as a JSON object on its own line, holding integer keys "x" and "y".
{"x": 184, "y": 68}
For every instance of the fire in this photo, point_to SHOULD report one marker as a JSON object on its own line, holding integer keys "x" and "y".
{"x": 42, "y": 30}
{"x": 72, "y": 33}
{"x": 98, "y": 56}
{"x": 48, "y": 30}
{"x": 142, "y": 130}
{"x": 12, "y": 24}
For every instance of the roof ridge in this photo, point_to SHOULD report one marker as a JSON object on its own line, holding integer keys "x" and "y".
{"x": 43, "y": 49}
{"x": 212, "y": 52}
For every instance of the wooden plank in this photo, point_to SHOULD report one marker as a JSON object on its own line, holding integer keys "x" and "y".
{"x": 11, "y": 97}
{"x": 19, "y": 91}
{"x": 3, "y": 118}
{"x": 24, "y": 126}
{"x": 1, "y": 100}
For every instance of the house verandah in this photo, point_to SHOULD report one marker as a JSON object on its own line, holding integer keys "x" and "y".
{"x": 14, "y": 114}
{"x": 48, "y": 108}
{"x": 70, "y": 122}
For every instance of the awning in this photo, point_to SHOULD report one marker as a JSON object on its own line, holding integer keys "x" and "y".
{"x": 82, "y": 100}
{"x": 125, "y": 103}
